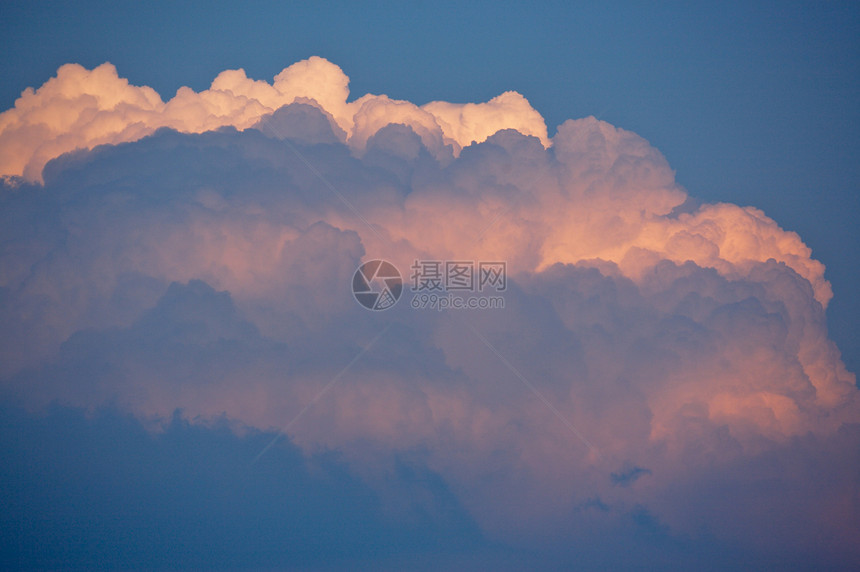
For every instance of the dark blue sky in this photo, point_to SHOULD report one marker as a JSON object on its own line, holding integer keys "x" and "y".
{"x": 752, "y": 103}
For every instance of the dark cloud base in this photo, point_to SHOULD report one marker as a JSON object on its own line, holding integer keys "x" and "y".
{"x": 101, "y": 491}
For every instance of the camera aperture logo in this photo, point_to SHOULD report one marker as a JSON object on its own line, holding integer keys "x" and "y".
{"x": 436, "y": 284}
{"x": 377, "y": 285}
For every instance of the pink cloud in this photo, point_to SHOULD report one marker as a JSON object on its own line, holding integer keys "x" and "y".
{"x": 209, "y": 270}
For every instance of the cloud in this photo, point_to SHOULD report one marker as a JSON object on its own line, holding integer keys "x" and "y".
{"x": 628, "y": 477}
{"x": 80, "y": 109}
{"x": 197, "y": 255}
{"x": 110, "y": 493}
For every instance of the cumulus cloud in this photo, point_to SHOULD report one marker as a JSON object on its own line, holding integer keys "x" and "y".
{"x": 80, "y": 109}
{"x": 201, "y": 257}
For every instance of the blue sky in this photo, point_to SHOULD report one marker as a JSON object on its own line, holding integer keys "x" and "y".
{"x": 187, "y": 382}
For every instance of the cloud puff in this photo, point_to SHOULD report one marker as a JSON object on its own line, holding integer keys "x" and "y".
{"x": 80, "y": 109}
{"x": 651, "y": 356}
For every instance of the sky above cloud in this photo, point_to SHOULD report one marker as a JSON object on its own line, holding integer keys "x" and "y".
{"x": 186, "y": 380}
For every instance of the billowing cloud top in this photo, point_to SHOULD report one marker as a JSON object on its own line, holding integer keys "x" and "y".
{"x": 80, "y": 108}
{"x": 683, "y": 379}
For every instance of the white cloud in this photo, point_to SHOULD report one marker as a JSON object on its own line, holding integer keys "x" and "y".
{"x": 80, "y": 109}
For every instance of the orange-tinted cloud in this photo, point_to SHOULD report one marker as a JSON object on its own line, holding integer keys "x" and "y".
{"x": 209, "y": 270}
{"x": 80, "y": 109}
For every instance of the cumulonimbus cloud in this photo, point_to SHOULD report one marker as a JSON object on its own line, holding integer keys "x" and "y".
{"x": 208, "y": 269}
